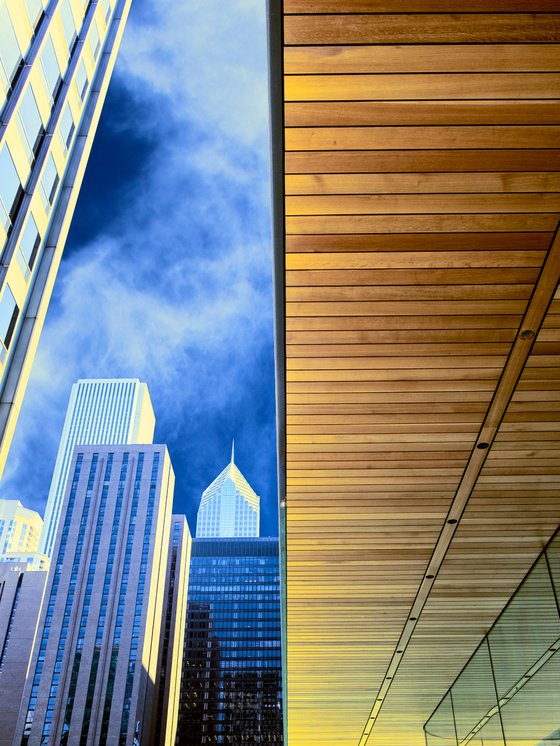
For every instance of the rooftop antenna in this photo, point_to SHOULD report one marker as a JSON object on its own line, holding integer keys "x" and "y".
{"x": 232, "y": 449}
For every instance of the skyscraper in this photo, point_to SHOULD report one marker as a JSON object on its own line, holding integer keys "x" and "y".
{"x": 229, "y": 507}
{"x": 99, "y": 411}
{"x": 95, "y": 670}
{"x": 172, "y": 635}
{"x": 232, "y": 672}
{"x": 56, "y": 60}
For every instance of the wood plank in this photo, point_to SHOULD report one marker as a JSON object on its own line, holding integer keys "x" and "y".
{"x": 421, "y": 183}
{"x": 423, "y": 138}
{"x": 382, "y": 161}
{"x": 371, "y": 292}
{"x": 387, "y": 362}
{"x": 400, "y": 336}
{"x": 422, "y": 58}
{"x": 417, "y": 6}
{"x": 391, "y": 324}
{"x": 403, "y": 28}
{"x": 421, "y": 86}
{"x": 398, "y": 204}
{"x": 397, "y": 351}
{"x": 366, "y": 375}
{"x": 420, "y": 223}
{"x": 412, "y": 241}
{"x": 404, "y": 308}
{"x": 418, "y": 260}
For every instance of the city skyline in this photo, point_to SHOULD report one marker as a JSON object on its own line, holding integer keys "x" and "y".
{"x": 198, "y": 333}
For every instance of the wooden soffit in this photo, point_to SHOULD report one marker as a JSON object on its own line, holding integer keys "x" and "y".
{"x": 421, "y": 195}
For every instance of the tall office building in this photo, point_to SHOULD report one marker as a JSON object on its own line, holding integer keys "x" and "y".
{"x": 56, "y": 59}
{"x": 21, "y": 596}
{"x": 172, "y": 636}
{"x": 100, "y": 411}
{"x": 96, "y": 667}
{"x": 229, "y": 507}
{"x": 232, "y": 672}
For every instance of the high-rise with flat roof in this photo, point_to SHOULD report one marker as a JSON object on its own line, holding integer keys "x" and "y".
{"x": 229, "y": 507}
{"x": 56, "y": 60}
{"x": 232, "y": 671}
{"x": 99, "y": 411}
{"x": 96, "y": 667}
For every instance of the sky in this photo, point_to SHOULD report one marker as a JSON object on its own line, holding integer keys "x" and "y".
{"x": 167, "y": 271}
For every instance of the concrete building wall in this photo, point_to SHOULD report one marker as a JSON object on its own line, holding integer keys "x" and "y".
{"x": 21, "y": 596}
{"x": 95, "y": 668}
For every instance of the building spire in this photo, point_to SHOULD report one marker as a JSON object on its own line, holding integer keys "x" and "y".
{"x": 232, "y": 449}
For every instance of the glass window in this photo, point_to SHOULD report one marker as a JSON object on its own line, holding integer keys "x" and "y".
{"x": 106, "y": 8}
{"x": 11, "y": 190}
{"x": 10, "y": 53}
{"x": 68, "y": 24}
{"x": 30, "y": 242}
{"x": 95, "y": 41}
{"x": 30, "y": 121}
{"x": 8, "y": 317}
{"x": 51, "y": 69}
{"x": 49, "y": 183}
{"x": 82, "y": 81}
{"x": 67, "y": 127}
{"x": 34, "y": 11}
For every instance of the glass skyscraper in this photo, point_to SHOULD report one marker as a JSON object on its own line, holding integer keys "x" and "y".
{"x": 232, "y": 671}
{"x": 229, "y": 507}
{"x": 100, "y": 411}
{"x": 56, "y": 59}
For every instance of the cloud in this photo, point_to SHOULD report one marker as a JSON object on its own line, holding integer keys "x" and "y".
{"x": 175, "y": 287}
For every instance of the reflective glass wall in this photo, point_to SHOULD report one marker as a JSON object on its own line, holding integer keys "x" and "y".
{"x": 231, "y": 691}
{"x": 509, "y": 692}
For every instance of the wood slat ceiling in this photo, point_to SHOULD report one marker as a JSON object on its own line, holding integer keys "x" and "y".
{"x": 422, "y": 196}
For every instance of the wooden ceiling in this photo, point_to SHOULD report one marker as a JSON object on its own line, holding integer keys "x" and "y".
{"x": 421, "y": 194}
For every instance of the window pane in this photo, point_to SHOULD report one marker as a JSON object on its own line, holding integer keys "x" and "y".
{"x": 68, "y": 24}
{"x": 51, "y": 70}
{"x": 81, "y": 80}
{"x": 66, "y": 127}
{"x": 106, "y": 8}
{"x": 31, "y": 119}
{"x": 34, "y": 10}
{"x": 30, "y": 242}
{"x": 95, "y": 41}
{"x": 10, "y": 53}
{"x": 8, "y": 317}
{"x": 10, "y": 187}
{"x": 49, "y": 183}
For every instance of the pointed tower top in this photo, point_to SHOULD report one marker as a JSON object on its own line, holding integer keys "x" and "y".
{"x": 232, "y": 449}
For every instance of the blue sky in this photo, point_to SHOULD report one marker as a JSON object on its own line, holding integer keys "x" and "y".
{"x": 167, "y": 273}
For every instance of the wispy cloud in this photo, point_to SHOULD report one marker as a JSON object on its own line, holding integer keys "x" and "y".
{"x": 176, "y": 287}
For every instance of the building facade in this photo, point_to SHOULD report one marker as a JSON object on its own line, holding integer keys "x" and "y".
{"x": 96, "y": 665}
{"x": 100, "y": 411}
{"x": 20, "y": 528}
{"x": 21, "y": 596}
{"x": 56, "y": 59}
{"x": 172, "y": 636}
{"x": 232, "y": 673}
{"x": 229, "y": 507}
